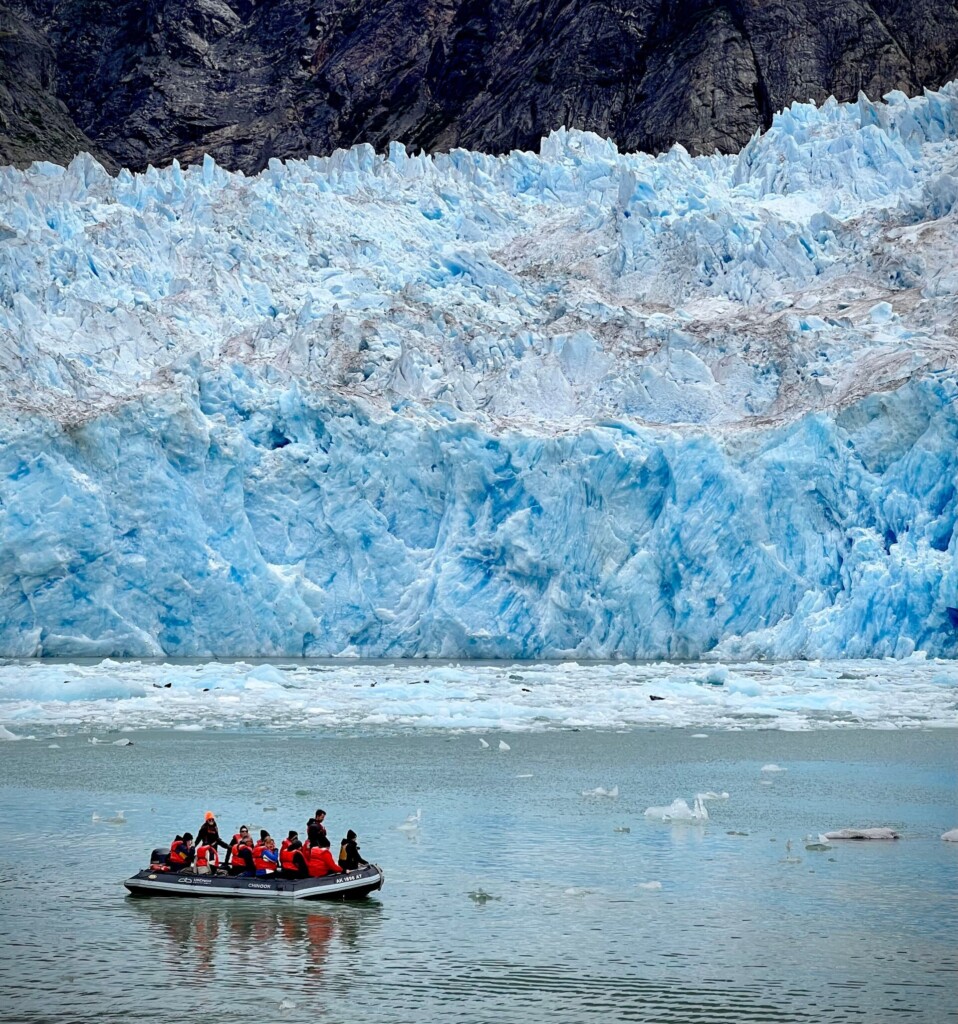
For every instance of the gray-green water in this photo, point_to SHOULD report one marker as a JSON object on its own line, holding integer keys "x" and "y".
{"x": 515, "y": 900}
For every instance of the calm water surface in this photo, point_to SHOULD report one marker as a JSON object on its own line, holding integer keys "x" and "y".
{"x": 516, "y": 899}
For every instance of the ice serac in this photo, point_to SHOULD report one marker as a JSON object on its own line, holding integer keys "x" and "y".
{"x": 573, "y": 404}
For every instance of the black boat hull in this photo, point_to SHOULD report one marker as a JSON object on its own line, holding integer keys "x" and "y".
{"x": 348, "y": 885}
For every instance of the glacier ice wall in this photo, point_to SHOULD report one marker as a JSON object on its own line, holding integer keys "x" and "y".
{"x": 579, "y": 403}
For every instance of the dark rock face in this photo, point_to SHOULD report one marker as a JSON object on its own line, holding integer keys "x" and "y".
{"x": 144, "y": 81}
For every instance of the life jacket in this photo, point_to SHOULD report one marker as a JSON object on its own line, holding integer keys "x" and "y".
{"x": 259, "y": 862}
{"x": 204, "y": 853}
{"x": 320, "y": 861}
{"x": 179, "y": 852}
{"x": 286, "y": 857}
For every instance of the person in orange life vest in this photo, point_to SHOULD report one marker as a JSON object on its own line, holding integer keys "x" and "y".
{"x": 181, "y": 852}
{"x": 207, "y": 859}
{"x": 319, "y": 858}
{"x": 237, "y": 836}
{"x": 291, "y": 860}
{"x": 265, "y": 857}
{"x": 243, "y": 858}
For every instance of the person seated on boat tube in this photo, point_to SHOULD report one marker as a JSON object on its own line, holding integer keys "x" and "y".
{"x": 242, "y": 858}
{"x": 319, "y": 858}
{"x": 349, "y": 859}
{"x": 207, "y": 859}
{"x": 292, "y": 863}
{"x": 181, "y": 852}
{"x": 265, "y": 857}
{"x": 243, "y": 830}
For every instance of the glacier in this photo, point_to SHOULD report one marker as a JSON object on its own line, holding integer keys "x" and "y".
{"x": 574, "y": 404}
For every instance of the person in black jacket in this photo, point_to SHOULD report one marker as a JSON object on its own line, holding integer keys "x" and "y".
{"x": 349, "y": 859}
{"x": 209, "y": 833}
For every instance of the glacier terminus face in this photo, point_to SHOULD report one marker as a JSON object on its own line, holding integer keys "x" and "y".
{"x": 574, "y": 404}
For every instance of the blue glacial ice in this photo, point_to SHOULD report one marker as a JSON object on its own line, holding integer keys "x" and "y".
{"x": 576, "y": 404}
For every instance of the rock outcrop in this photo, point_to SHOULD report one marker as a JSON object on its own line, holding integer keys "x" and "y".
{"x": 143, "y": 81}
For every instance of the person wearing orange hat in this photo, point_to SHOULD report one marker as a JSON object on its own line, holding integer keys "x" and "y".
{"x": 209, "y": 833}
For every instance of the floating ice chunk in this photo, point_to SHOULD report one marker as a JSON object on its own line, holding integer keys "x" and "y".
{"x": 679, "y": 810}
{"x": 710, "y": 795}
{"x": 53, "y": 746}
{"x": 700, "y": 736}
{"x": 123, "y": 743}
{"x": 788, "y": 858}
{"x": 650, "y": 885}
{"x": 622, "y": 828}
{"x": 118, "y": 819}
{"x": 5, "y": 734}
{"x": 529, "y": 776}
{"x": 717, "y": 676}
{"x": 95, "y": 741}
{"x": 817, "y": 843}
{"x": 483, "y": 743}
{"x": 411, "y": 824}
{"x": 773, "y": 768}
{"x": 612, "y": 793}
{"x": 503, "y": 745}
{"x": 287, "y": 1004}
{"x": 862, "y": 833}
{"x": 951, "y": 836}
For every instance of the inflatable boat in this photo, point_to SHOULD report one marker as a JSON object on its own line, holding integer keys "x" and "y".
{"x": 156, "y": 881}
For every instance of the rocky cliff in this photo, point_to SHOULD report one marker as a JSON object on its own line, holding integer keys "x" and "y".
{"x": 139, "y": 82}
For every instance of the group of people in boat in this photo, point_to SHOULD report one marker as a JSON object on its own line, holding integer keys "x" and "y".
{"x": 245, "y": 858}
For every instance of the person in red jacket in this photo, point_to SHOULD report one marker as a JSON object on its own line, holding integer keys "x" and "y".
{"x": 319, "y": 858}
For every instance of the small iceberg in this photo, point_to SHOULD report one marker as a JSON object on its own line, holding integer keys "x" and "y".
{"x": 817, "y": 843}
{"x": 411, "y": 824}
{"x": 650, "y": 885}
{"x": 483, "y": 744}
{"x": 951, "y": 836}
{"x": 773, "y": 768}
{"x": 679, "y": 810}
{"x": 503, "y": 745}
{"x": 601, "y": 791}
{"x": 862, "y": 833}
{"x": 123, "y": 743}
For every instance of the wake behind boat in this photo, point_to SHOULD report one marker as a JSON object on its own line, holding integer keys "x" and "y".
{"x": 347, "y": 885}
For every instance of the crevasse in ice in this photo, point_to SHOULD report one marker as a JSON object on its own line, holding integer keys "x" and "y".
{"x": 573, "y": 404}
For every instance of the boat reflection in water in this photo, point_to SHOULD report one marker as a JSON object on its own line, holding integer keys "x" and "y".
{"x": 211, "y": 938}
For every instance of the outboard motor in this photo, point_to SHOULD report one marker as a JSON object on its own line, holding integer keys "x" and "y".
{"x": 158, "y": 860}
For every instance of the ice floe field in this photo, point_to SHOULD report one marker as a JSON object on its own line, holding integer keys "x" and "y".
{"x": 110, "y": 701}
